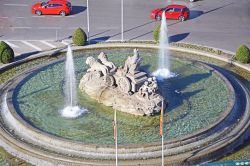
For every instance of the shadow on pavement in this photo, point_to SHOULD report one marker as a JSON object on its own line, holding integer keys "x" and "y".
{"x": 178, "y": 37}
{"x": 99, "y": 39}
{"x": 195, "y": 13}
{"x": 25, "y": 55}
{"x": 77, "y": 9}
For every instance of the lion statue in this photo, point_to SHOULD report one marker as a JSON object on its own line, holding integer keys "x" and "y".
{"x": 96, "y": 66}
{"x": 104, "y": 59}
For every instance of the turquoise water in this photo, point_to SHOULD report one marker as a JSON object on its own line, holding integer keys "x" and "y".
{"x": 202, "y": 99}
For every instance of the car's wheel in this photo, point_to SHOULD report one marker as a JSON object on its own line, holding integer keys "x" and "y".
{"x": 38, "y": 12}
{"x": 62, "y": 13}
{"x": 158, "y": 17}
{"x": 182, "y": 18}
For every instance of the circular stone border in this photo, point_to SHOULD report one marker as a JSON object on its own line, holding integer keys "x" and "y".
{"x": 192, "y": 148}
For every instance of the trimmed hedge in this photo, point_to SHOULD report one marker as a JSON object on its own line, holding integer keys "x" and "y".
{"x": 79, "y": 37}
{"x": 6, "y": 53}
{"x": 198, "y": 47}
{"x": 156, "y": 33}
{"x": 243, "y": 54}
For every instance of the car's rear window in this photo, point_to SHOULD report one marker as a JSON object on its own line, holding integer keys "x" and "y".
{"x": 177, "y": 10}
{"x": 185, "y": 9}
{"x": 68, "y": 4}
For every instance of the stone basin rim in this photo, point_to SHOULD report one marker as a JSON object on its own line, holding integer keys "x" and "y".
{"x": 67, "y": 160}
{"x": 171, "y": 141}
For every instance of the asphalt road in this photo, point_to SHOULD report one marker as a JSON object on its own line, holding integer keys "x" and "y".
{"x": 217, "y": 23}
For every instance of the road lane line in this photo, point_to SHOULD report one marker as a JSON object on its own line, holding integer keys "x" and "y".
{"x": 20, "y": 17}
{"x": 31, "y": 45}
{"x": 64, "y": 42}
{"x": 9, "y": 4}
{"x": 20, "y": 27}
{"x": 49, "y": 27}
{"x": 3, "y": 17}
{"x": 11, "y": 44}
{"x": 48, "y": 44}
{"x": 38, "y": 16}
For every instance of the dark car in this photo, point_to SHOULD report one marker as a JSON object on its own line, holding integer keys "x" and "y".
{"x": 61, "y": 7}
{"x": 180, "y": 12}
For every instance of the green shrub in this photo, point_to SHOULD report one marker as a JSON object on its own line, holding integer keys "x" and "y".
{"x": 243, "y": 54}
{"x": 156, "y": 33}
{"x": 79, "y": 37}
{"x": 6, "y": 53}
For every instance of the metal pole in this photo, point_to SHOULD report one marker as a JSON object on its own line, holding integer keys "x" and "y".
{"x": 56, "y": 35}
{"x": 162, "y": 153}
{"x": 122, "y": 20}
{"x": 116, "y": 149}
{"x": 88, "y": 20}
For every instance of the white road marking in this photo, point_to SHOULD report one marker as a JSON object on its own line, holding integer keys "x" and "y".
{"x": 11, "y": 44}
{"x": 20, "y": 27}
{"x": 17, "y": 53}
{"x": 49, "y": 28}
{"x": 75, "y": 28}
{"x": 70, "y": 16}
{"x": 38, "y": 16}
{"x": 3, "y": 17}
{"x": 48, "y": 44}
{"x": 64, "y": 42}
{"x": 31, "y": 45}
{"x": 20, "y": 17}
{"x": 9, "y": 4}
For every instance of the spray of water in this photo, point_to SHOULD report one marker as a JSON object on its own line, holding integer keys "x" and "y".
{"x": 163, "y": 70}
{"x": 71, "y": 109}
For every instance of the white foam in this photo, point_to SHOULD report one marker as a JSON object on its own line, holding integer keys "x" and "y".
{"x": 72, "y": 111}
{"x": 163, "y": 73}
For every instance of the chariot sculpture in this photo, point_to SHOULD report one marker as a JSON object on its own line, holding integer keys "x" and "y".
{"x": 125, "y": 88}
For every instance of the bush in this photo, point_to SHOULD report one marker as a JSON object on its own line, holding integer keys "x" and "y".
{"x": 79, "y": 37}
{"x": 6, "y": 53}
{"x": 243, "y": 54}
{"x": 156, "y": 33}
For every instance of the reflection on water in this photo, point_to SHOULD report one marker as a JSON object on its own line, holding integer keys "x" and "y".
{"x": 196, "y": 98}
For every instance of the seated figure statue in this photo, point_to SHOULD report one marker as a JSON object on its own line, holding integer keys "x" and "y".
{"x": 132, "y": 63}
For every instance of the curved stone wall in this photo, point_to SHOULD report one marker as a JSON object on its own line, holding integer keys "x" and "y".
{"x": 203, "y": 145}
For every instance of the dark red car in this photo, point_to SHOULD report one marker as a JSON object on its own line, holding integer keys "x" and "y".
{"x": 180, "y": 12}
{"x": 62, "y": 7}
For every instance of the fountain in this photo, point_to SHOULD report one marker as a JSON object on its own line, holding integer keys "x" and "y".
{"x": 197, "y": 113}
{"x": 164, "y": 66}
{"x": 125, "y": 88}
{"x": 71, "y": 109}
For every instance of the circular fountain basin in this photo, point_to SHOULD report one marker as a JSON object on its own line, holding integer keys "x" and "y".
{"x": 197, "y": 98}
{"x": 202, "y": 101}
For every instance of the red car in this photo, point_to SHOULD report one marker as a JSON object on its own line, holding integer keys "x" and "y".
{"x": 180, "y": 12}
{"x": 62, "y": 7}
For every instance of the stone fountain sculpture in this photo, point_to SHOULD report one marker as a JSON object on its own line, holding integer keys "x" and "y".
{"x": 126, "y": 88}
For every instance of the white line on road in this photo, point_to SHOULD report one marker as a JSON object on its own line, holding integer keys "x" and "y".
{"x": 75, "y": 28}
{"x": 31, "y": 45}
{"x": 20, "y": 17}
{"x": 11, "y": 44}
{"x": 48, "y": 44}
{"x": 64, "y": 42}
{"x": 49, "y": 27}
{"x": 9, "y": 4}
{"x": 20, "y": 27}
{"x": 3, "y": 17}
{"x": 38, "y": 16}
